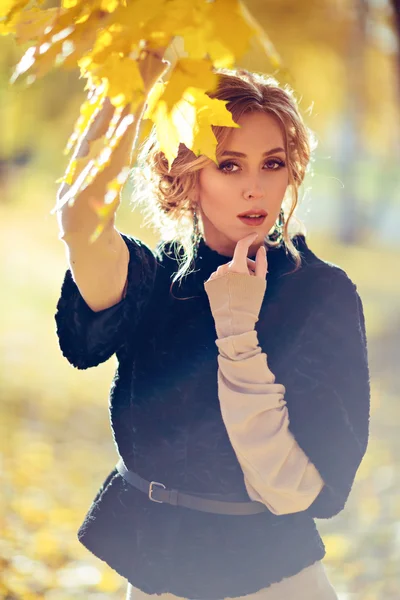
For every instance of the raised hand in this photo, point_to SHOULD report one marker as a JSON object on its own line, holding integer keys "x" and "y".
{"x": 240, "y": 262}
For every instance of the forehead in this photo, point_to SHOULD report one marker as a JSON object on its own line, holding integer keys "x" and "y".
{"x": 255, "y": 128}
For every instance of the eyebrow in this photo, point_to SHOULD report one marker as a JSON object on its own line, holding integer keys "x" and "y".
{"x": 240, "y": 154}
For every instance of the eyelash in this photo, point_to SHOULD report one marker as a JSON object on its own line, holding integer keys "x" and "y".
{"x": 281, "y": 164}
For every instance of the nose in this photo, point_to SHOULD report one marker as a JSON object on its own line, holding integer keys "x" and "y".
{"x": 253, "y": 184}
{"x": 253, "y": 192}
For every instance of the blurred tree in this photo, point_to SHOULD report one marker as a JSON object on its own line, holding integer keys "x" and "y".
{"x": 24, "y": 109}
{"x": 340, "y": 56}
{"x": 353, "y": 118}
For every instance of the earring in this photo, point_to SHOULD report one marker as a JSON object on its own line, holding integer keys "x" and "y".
{"x": 276, "y": 237}
{"x": 196, "y": 229}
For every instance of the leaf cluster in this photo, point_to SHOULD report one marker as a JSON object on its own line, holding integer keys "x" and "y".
{"x": 119, "y": 47}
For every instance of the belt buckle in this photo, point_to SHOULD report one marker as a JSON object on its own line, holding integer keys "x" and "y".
{"x": 152, "y": 484}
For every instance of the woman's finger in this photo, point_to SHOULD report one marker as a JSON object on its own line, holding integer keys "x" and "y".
{"x": 261, "y": 262}
{"x": 241, "y": 251}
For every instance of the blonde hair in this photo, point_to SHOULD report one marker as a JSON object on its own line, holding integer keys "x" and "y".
{"x": 165, "y": 197}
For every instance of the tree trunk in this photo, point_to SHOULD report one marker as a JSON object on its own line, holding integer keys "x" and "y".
{"x": 351, "y": 222}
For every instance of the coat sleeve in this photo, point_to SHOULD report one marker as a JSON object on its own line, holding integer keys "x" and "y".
{"x": 88, "y": 338}
{"x": 327, "y": 378}
{"x": 276, "y": 470}
{"x": 299, "y": 441}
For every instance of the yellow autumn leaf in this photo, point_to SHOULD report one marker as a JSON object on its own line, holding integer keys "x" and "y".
{"x": 210, "y": 111}
{"x": 189, "y": 122}
{"x": 169, "y": 19}
{"x": 153, "y": 98}
{"x": 36, "y": 61}
{"x": 112, "y": 39}
{"x": 220, "y": 54}
{"x": 111, "y": 5}
{"x": 126, "y": 30}
{"x": 103, "y": 158}
{"x": 214, "y": 36}
{"x": 180, "y": 111}
{"x": 188, "y": 73}
{"x": 66, "y": 19}
{"x": 7, "y": 27}
{"x": 80, "y": 39}
{"x": 78, "y": 43}
{"x": 226, "y": 18}
{"x": 122, "y": 76}
{"x": 211, "y": 36}
{"x": 32, "y": 23}
{"x": 56, "y": 47}
{"x": 173, "y": 127}
{"x": 146, "y": 126}
{"x": 69, "y": 3}
{"x": 8, "y": 7}
{"x": 89, "y": 167}
{"x": 199, "y": 42}
{"x": 88, "y": 113}
{"x": 140, "y": 12}
{"x": 45, "y": 56}
{"x": 10, "y": 15}
{"x": 92, "y": 33}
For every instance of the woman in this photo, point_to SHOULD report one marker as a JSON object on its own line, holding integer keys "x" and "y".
{"x": 240, "y": 404}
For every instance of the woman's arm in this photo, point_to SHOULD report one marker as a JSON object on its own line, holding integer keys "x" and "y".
{"x": 98, "y": 268}
{"x": 88, "y": 338}
{"x": 279, "y": 468}
{"x": 327, "y": 376}
{"x": 277, "y": 472}
{"x": 109, "y": 280}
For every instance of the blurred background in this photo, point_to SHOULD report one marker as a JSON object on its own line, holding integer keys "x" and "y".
{"x": 56, "y": 446}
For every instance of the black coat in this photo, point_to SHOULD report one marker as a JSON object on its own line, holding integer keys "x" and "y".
{"x": 167, "y": 424}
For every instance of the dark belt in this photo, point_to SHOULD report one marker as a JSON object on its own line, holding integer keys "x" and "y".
{"x": 158, "y": 492}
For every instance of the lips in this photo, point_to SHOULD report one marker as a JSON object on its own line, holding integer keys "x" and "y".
{"x": 253, "y": 221}
{"x": 256, "y": 211}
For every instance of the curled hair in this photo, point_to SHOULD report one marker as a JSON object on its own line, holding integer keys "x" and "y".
{"x": 165, "y": 196}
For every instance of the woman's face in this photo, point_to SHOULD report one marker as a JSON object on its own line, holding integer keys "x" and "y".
{"x": 255, "y": 180}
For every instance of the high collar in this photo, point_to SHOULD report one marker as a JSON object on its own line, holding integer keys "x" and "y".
{"x": 279, "y": 259}
{"x": 207, "y": 260}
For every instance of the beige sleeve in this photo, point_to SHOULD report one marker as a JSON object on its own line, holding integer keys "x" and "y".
{"x": 276, "y": 470}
